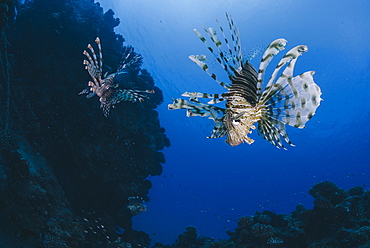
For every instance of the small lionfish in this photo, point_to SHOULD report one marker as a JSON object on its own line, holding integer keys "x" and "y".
{"x": 136, "y": 205}
{"x": 107, "y": 88}
{"x": 285, "y": 100}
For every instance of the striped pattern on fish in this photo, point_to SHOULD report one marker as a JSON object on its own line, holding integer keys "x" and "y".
{"x": 107, "y": 88}
{"x": 285, "y": 99}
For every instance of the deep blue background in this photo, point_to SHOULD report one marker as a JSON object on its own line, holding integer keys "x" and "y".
{"x": 205, "y": 182}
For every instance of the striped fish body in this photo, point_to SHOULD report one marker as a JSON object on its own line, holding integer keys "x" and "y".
{"x": 242, "y": 112}
{"x": 239, "y": 122}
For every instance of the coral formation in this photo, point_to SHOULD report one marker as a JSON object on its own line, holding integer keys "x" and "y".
{"x": 66, "y": 171}
{"x": 189, "y": 239}
{"x": 339, "y": 219}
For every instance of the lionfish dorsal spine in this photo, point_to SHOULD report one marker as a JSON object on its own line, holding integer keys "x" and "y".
{"x": 230, "y": 55}
{"x": 229, "y": 62}
{"x": 235, "y": 36}
{"x": 90, "y": 66}
{"x": 219, "y": 55}
{"x": 234, "y": 55}
{"x": 97, "y": 41}
{"x": 123, "y": 63}
{"x": 200, "y": 61}
{"x": 244, "y": 84}
{"x": 97, "y": 64}
{"x": 129, "y": 59}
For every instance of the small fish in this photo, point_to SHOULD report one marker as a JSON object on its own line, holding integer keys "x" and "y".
{"x": 107, "y": 87}
{"x": 136, "y": 205}
{"x": 285, "y": 100}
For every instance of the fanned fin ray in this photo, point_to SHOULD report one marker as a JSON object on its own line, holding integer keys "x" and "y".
{"x": 274, "y": 48}
{"x": 235, "y": 36}
{"x": 290, "y": 57}
{"x": 290, "y": 100}
{"x": 216, "y": 98}
{"x": 197, "y": 108}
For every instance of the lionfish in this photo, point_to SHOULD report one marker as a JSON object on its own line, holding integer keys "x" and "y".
{"x": 107, "y": 87}
{"x": 136, "y": 205}
{"x": 285, "y": 100}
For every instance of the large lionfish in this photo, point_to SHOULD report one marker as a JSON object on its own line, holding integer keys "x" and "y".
{"x": 107, "y": 88}
{"x": 285, "y": 100}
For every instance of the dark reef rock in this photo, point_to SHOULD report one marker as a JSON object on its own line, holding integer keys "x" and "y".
{"x": 66, "y": 171}
{"x": 190, "y": 239}
{"x": 342, "y": 221}
{"x": 328, "y": 193}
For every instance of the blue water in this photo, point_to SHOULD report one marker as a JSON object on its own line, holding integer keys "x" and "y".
{"x": 206, "y": 183}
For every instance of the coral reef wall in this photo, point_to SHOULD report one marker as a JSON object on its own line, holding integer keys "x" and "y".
{"x": 64, "y": 167}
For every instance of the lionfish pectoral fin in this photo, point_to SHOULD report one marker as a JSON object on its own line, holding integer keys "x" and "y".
{"x": 305, "y": 101}
{"x": 271, "y": 130}
{"x": 290, "y": 58}
{"x": 290, "y": 100}
{"x": 216, "y": 98}
{"x": 219, "y": 130}
{"x": 84, "y": 91}
{"x": 132, "y": 95}
{"x": 274, "y": 48}
{"x": 91, "y": 94}
{"x": 196, "y": 108}
{"x": 179, "y": 104}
